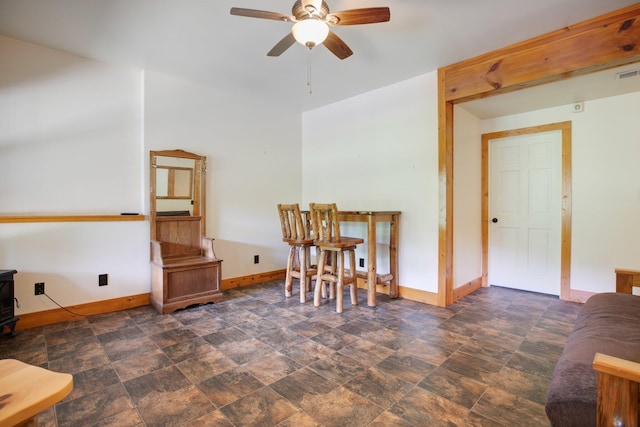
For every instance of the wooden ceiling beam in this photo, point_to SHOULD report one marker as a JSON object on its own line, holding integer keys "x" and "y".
{"x": 604, "y": 42}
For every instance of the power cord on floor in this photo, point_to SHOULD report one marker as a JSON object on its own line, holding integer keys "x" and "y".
{"x": 65, "y": 309}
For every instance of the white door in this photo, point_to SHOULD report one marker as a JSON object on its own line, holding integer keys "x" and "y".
{"x": 525, "y": 191}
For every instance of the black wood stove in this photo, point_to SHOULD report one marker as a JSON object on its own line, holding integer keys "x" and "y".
{"x": 7, "y": 313}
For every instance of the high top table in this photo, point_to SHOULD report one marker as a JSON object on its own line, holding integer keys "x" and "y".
{"x": 27, "y": 390}
{"x": 372, "y": 218}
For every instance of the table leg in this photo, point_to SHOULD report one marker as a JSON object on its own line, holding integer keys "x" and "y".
{"x": 371, "y": 254}
{"x": 393, "y": 257}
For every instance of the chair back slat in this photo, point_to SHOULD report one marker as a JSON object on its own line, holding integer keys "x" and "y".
{"x": 292, "y": 223}
{"x": 324, "y": 221}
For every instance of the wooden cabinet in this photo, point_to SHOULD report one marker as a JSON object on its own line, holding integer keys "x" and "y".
{"x": 180, "y": 280}
{"x": 184, "y": 268}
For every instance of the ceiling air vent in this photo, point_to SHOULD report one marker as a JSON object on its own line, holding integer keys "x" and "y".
{"x": 628, "y": 74}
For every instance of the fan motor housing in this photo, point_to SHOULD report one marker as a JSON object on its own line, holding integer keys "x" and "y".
{"x": 300, "y": 13}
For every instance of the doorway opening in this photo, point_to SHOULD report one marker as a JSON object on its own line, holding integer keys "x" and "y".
{"x": 565, "y": 200}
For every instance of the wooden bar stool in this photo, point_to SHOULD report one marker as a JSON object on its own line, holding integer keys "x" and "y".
{"x": 297, "y": 233}
{"x": 326, "y": 232}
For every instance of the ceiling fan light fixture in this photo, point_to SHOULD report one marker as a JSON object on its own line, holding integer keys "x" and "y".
{"x": 310, "y": 32}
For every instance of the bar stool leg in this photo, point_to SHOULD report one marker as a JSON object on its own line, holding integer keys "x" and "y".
{"x": 340, "y": 283}
{"x": 303, "y": 275}
{"x": 288, "y": 282}
{"x": 319, "y": 284}
{"x": 354, "y": 277}
{"x": 334, "y": 265}
{"x": 307, "y": 250}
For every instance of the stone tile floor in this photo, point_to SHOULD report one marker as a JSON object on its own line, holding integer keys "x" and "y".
{"x": 260, "y": 359}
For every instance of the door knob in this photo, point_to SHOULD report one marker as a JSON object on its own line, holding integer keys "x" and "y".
{"x": 494, "y": 220}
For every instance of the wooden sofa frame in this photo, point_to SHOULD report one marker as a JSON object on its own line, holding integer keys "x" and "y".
{"x": 618, "y": 379}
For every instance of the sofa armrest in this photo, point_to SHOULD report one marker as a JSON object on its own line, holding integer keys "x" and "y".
{"x": 617, "y": 401}
{"x": 617, "y": 367}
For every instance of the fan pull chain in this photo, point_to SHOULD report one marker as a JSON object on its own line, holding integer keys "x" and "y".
{"x": 309, "y": 72}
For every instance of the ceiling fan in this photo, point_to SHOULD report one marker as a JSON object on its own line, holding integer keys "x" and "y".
{"x": 312, "y": 20}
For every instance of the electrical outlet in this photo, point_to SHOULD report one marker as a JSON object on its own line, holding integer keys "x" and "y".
{"x": 38, "y": 288}
{"x": 361, "y": 262}
{"x": 103, "y": 279}
{"x": 256, "y": 259}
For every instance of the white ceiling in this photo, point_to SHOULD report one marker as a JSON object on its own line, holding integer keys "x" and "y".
{"x": 199, "y": 40}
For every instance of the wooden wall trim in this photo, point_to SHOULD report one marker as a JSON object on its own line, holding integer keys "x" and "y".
{"x": 567, "y": 214}
{"x": 579, "y": 296}
{"x": 48, "y": 317}
{"x": 484, "y": 206}
{"x": 445, "y": 195}
{"x": 603, "y": 42}
{"x": 70, "y": 218}
{"x": 418, "y": 295}
{"x": 600, "y": 43}
{"x": 463, "y": 290}
{"x": 238, "y": 282}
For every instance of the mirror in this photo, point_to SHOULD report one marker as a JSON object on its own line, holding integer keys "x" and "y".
{"x": 174, "y": 182}
{"x": 177, "y": 186}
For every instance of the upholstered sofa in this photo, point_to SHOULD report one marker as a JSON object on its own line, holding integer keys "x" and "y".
{"x": 608, "y": 323}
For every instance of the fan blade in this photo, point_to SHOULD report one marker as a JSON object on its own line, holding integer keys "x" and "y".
{"x": 282, "y": 45}
{"x": 370, "y": 15}
{"x": 337, "y": 46}
{"x": 263, "y": 14}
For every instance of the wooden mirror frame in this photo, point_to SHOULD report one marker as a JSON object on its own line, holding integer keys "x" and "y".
{"x": 198, "y": 186}
{"x": 607, "y": 41}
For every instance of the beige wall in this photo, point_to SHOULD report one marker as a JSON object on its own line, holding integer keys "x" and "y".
{"x": 467, "y": 236}
{"x": 379, "y": 151}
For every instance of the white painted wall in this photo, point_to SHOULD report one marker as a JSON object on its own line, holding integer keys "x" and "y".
{"x": 73, "y": 140}
{"x": 69, "y": 132}
{"x": 69, "y": 143}
{"x": 606, "y": 185}
{"x": 379, "y": 151}
{"x": 68, "y": 257}
{"x": 253, "y": 154}
{"x": 467, "y": 192}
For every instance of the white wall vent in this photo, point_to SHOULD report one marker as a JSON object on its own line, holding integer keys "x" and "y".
{"x": 627, "y": 74}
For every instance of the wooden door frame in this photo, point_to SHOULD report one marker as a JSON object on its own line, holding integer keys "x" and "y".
{"x": 565, "y": 228}
{"x": 600, "y": 43}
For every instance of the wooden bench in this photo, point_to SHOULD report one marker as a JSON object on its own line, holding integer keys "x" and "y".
{"x": 183, "y": 275}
